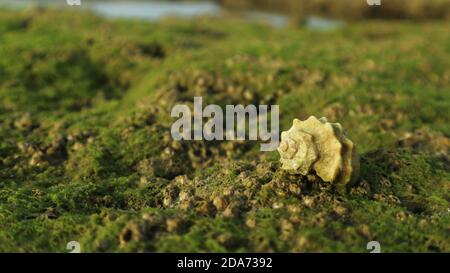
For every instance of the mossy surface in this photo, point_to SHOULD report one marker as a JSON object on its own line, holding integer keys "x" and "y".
{"x": 86, "y": 152}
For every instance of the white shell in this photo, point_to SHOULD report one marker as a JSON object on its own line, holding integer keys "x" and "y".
{"x": 316, "y": 144}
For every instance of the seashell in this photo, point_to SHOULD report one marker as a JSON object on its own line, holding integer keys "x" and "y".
{"x": 320, "y": 146}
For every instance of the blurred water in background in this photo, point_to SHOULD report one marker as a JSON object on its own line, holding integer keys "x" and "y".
{"x": 153, "y": 10}
{"x": 156, "y": 10}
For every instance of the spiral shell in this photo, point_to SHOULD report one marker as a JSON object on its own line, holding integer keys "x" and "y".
{"x": 316, "y": 144}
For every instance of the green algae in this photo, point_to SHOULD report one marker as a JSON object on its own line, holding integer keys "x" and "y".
{"x": 86, "y": 152}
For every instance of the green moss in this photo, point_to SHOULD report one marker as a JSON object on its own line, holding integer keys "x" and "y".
{"x": 86, "y": 152}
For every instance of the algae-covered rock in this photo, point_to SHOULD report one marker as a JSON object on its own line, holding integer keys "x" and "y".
{"x": 318, "y": 145}
{"x": 86, "y": 152}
